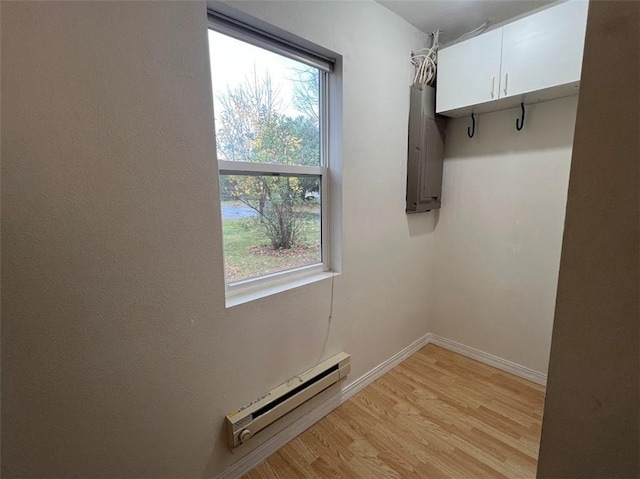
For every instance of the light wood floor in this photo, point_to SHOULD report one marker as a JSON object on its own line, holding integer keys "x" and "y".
{"x": 437, "y": 414}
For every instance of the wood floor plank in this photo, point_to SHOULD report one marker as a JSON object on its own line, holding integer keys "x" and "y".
{"x": 435, "y": 415}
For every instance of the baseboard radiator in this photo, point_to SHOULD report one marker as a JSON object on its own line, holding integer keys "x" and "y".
{"x": 244, "y": 423}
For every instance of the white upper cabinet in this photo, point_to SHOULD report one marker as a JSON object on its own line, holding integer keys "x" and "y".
{"x": 544, "y": 50}
{"x": 469, "y": 72}
{"x": 536, "y": 58}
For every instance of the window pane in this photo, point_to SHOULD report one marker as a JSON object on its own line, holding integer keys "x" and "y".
{"x": 269, "y": 224}
{"x": 266, "y": 106}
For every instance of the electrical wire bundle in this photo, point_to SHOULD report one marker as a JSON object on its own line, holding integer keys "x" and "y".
{"x": 474, "y": 32}
{"x": 426, "y": 64}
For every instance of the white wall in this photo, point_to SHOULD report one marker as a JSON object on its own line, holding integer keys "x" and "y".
{"x": 496, "y": 248}
{"x": 591, "y": 426}
{"x": 119, "y": 357}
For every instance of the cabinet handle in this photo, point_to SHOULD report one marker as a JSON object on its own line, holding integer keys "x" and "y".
{"x": 493, "y": 86}
{"x": 506, "y": 82}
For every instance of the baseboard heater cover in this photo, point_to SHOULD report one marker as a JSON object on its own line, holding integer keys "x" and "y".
{"x": 246, "y": 421}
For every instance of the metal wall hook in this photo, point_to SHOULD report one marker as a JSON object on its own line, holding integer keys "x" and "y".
{"x": 472, "y": 130}
{"x": 520, "y": 121}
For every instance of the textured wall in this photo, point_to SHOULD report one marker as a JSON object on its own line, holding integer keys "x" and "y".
{"x": 591, "y": 415}
{"x": 496, "y": 249}
{"x": 119, "y": 357}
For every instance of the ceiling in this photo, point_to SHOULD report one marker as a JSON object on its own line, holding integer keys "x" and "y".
{"x": 456, "y": 17}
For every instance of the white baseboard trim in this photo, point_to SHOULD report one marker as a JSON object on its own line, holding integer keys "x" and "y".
{"x": 271, "y": 445}
{"x": 489, "y": 359}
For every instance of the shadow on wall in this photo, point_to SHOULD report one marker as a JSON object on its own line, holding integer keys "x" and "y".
{"x": 495, "y": 125}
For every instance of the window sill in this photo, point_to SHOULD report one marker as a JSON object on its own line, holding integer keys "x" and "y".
{"x": 279, "y": 287}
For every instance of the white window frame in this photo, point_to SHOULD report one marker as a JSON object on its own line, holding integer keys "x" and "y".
{"x": 251, "y": 288}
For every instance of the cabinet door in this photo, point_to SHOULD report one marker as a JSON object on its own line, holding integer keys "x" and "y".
{"x": 469, "y": 72}
{"x": 544, "y": 49}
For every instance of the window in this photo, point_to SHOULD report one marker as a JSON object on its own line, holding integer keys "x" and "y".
{"x": 271, "y": 120}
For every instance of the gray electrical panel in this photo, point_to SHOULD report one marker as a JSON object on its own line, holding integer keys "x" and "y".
{"x": 426, "y": 151}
